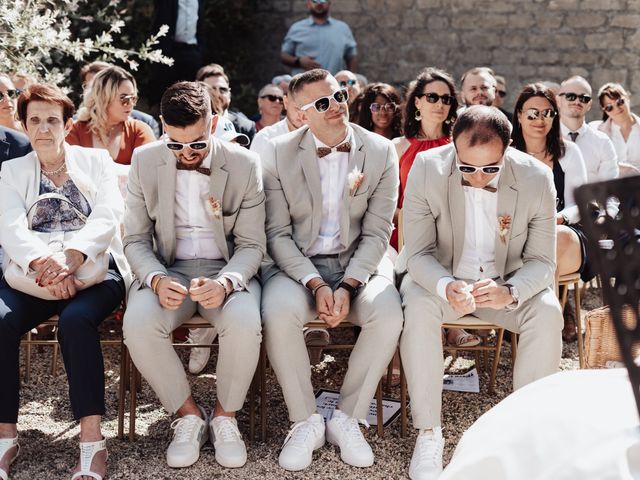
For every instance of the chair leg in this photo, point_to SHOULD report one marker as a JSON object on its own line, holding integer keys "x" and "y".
{"x": 122, "y": 389}
{"x": 133, "y": 399}
{"x": 496, "y": 361}
{"x": 27, "y": 362}
{"x": 563, "y": 296}
{"x": 403, "y": 403}
{"x": 252, "y": 405}
{"x": 263, "y": 393}
{"x": 54, "y": 358}
{"x": 579, "y": 327}
{"x": 514, "y": 349}
{"x": 379, "y": 416}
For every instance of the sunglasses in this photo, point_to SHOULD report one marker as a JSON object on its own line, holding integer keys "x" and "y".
{"x": 383, "y": 107}
{"x": 344, "y": 83}
{"x": 126, "y": 100}
{"x": 322, "y": 104}
{"x": 177, "y": 146}
{"x": 501, "y": 93}
{"x": 488, "y": 169}
{"x": 319, "y": 2}
{"x": 10, "y": 94}
{"x": 272, "y": 98}
{"x": 534, "y": 113}
{"x": 609, "y": 108}
{"x": 570, "y": 96}
{"x": 434, "y": 97}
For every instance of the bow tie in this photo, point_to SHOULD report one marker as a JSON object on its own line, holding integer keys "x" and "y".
{"x": 203, "y": 170}
{"x": 324, "y": 151}
{"x": 486, "y": 187}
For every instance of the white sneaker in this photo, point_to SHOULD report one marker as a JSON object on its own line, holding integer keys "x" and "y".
{"x": 227, "y": 440}
{"x": 303, "y": 438}
{"x": 344, "y": 431}
{"x": 426, "y": 462}
{"x": 198, "y": 357}
{"x": 190, "y": 433}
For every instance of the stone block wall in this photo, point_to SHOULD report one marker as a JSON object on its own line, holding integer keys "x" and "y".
{"x": 524, "y": 40}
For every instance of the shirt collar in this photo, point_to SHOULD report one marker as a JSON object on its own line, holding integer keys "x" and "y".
{"x": 311, "y": 22}
{"x": 581, "y": 131}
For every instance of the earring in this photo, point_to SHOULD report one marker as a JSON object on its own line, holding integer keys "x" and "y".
{"x": 418, "y": 116}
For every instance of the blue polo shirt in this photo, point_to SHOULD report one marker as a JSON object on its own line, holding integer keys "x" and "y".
{"x": 328, "y": 43}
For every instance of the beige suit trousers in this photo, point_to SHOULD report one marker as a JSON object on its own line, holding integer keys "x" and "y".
{"x": 147, "y": 329}
{"x": 538, "y": 321}
{"x": 287, "y": 306}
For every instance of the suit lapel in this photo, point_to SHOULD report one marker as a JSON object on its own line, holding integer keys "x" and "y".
{"x": 356, "y": 161}
{"x": 309, "y": 163}
{"x": 456, "y": 211}
{"x": 507, "y": 198}
{"x": 166, "y": 173}
{"x": 218, "y": 181}
{"x": 4, "y": 148}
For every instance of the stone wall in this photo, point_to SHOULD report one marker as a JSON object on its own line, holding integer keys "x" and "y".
{"x": 524, "y": 40}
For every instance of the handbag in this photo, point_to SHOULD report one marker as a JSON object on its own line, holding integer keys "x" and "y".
{"x": 89, "y": 273}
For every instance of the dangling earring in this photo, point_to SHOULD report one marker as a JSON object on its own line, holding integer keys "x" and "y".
{"x": 418, "y": 115}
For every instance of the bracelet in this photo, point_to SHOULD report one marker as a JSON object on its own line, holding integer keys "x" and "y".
{"x": 226, "y": 294}
{"x": 296, "y": 62}
{"x": 155, "y": 281}
{"x": 353, "y": 291}
{"x": 318, "y": 287}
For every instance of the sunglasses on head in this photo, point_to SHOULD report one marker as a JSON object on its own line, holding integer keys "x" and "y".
{"x": 501, "y": 93}
{"x": 609, "y": 108}
{"x": 570, "y": 96}
{"x": 534, "y": 113}
{"x": 470, "y": 169}
{"x": 344, "y": 83}
{"x": 272, "y": 98}
{"x": 177, "y": 146}
{"x": 434, "y": 97}
{"x": 127, "y": 100}
{"x": 322, "y": 104}
{"x": 383, "y": 107}
{"x": 10, "y": 94}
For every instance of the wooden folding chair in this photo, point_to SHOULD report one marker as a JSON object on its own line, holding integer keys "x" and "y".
{"x": 563, "y": 284}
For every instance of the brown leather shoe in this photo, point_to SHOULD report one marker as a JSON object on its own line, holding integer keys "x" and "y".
{"x": 569, "y": 333}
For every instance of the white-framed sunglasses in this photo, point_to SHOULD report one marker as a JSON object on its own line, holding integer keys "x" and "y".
{"x": 322, "y": 104}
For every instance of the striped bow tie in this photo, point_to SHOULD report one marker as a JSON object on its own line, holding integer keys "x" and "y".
{"x": 486, "y": 187}
{"x": 203, "y": 170}
{"x": 324, "y": 151}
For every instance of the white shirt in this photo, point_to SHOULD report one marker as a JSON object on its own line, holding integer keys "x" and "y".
{"x": 575, "y": 175}
{"x": 187, "y": 22}
{"x": 478, "y": 259}
{"x": 629, "y": 150}
{"x": 598, "y": 152}
{"x": 260, "y": 141}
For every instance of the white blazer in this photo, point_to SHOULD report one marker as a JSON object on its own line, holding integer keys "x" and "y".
{"x": 92, "y": 172}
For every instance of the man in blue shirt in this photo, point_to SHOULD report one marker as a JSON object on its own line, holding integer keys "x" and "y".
{"x": 13, "y": 144}
{"x": 319, "y": 41}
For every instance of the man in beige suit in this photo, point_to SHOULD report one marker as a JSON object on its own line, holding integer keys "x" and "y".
{"x": 331, "y": 189}
{"x": 194, "y": 237}
{"x": 479, "y": 229}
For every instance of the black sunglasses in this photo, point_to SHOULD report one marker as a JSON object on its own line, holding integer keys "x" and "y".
{"x": 570, "y": 96}
{"x": 12, "y": 94}
{"x": 501, "y": 93}
{"x": 322, "y": 104}
{"x": 272, "y": 98}
{"x": 434, "y": 97}
{"x": 609, "y": 108}
{"x": 344, "y": 83}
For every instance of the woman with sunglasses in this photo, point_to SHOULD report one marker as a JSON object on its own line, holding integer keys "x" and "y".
{"x": 621, "y": 125}
{"x": 270, "y": 105}
{"x": 8, "y": 95}
{"x": 380, "y": 110}
{"x": 103, "y": 121}
{"x": 536, "y": 131}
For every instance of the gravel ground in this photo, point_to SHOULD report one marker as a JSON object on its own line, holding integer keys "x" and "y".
{"x": 49, "y": 439}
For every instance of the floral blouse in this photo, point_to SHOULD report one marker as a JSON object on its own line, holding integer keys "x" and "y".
{"x": 53, "y": 215}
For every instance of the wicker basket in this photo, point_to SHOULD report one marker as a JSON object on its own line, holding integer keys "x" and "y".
{"x": 601, "y": 344}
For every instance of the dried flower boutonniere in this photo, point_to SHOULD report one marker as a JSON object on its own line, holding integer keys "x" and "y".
{"x": 214, "y": 209}
{"x": 504, "y": 224}
{"x": 355, "y": 179}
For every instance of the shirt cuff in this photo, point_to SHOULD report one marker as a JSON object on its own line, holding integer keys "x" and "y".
{"x": 441, "y": 286}
{"x": 235, "y": 279}
{"x": 311, "y": 276}
{"x": 148, "y": 278}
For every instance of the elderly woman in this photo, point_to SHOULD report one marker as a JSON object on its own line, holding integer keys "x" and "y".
{"x": 380, "y": 110}
{"x": 103, "y": 121}
{"x": 8, "y": 95}
{"x": 70, "y": 192}
{"x": 536, "y": 131}
{"x": 270, "y": 105}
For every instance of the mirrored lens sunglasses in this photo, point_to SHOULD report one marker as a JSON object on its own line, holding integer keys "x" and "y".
{"x": 383, "y": 107}
{"x": 322, "y": 104}
{"x": 534, "y": 113}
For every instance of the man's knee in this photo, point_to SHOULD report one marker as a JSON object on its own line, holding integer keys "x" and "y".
{"x": 240, "y": 318}
{"x": 544, "y": 313}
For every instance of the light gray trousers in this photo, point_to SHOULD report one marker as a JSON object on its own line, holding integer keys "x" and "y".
{"x": 148, "y": 326}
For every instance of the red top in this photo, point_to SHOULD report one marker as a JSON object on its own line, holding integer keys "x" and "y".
{"x": 134, "y": 134}
{"x": 406, "y": 162}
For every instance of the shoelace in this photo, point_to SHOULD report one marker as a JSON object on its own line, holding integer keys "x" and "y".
{"x": 429, "y": 448}
{"x": 351, "y": 426}
{"x": 299, "y": 433}
{"x": 184, "y": 428}
{"x": 226, "y": 431}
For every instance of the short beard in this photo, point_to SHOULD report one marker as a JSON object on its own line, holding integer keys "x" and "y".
{"x": 319, "y": 15}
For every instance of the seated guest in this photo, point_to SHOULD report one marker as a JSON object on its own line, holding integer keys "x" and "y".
{"x": 599, "y": 154}
{"x": 269, "y": 106}
{"x": 536, "y": 131}
{"x": 282, "y": 81}
{"x": 90, "y": 206}
{"x": 380, "y": 110}
{"x": 348, "y": 80}
{"x": 501, "y": 93}
{"x": 8, "y": 95}
{"x": 479, "y": 229}
{"x": 104, "y": 119}
{"x": 620, "y": 124}
{"x": 13, "y": 144}
{"x": 478, "y": 87}
{"x": 328, "y": 225}
{"x": 194, "y": 236}
{"x": 89, "y": 71}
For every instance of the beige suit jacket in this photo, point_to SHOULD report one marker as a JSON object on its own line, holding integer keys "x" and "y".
{"x": 434, "y": 217}
{"x": 294, "y": 203}
{"x": 149, "y": 221}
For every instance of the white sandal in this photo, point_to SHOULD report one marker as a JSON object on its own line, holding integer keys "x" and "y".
{"x": 5, "y": 445}
{"x": 88, "y": 450}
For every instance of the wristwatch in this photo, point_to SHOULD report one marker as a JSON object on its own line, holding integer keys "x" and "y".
{"x": 515, "y": 295}
{"x": 353, "y": 291}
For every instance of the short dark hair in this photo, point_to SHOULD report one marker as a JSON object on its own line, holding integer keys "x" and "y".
{"x": 211, "y": 70}
{"x": 93, "y": 67}
{"x": 304, "y": 78}
{"x": 484, "y": 124}
{"x": 185, "y": 103}
{"x": 477, "y": 71}
{"x": 41, "y": 92}
{"x": 555, "y": 144}
{"x": 368, "y": 96}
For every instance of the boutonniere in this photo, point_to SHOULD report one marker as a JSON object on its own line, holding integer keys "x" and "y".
{"x": 214, "y": 209}
{"x": 504, "y": 224}
{"x": 355, "y": 179}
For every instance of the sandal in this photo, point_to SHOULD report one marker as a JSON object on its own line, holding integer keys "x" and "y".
{"x": 5, "y": 445}
{"x": 88, "y": 450}
{"x": 464, "y": 339}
